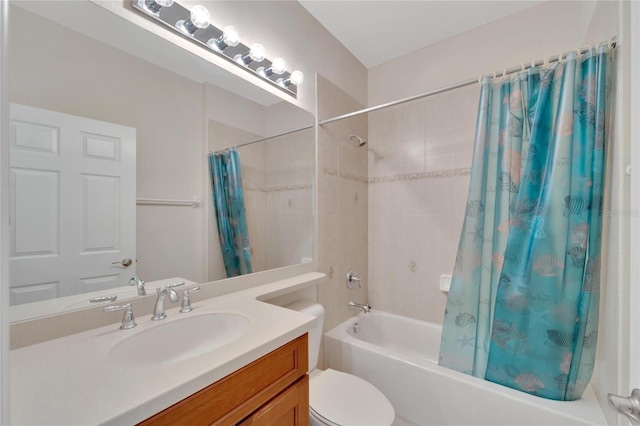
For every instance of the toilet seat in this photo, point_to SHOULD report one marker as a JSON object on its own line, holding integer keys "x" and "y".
{"x": 338, "y": 398}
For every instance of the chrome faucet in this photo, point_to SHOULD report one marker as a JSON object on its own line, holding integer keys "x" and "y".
{"x": 158, "y": 312}
{"x": 365, "y": 308}
{"x": 139, "y": 284}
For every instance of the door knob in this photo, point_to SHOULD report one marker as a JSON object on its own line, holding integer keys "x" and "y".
{"x": 124, "y": 262}
{"x": 630, "y": 406}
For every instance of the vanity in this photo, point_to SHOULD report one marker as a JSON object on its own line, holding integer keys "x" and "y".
{"x": 253, "y": 370}
{"x": 273, "y": 390}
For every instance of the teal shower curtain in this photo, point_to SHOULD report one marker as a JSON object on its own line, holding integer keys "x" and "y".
{"x": 523, "y": 306}
{"x": 228, "y": 202}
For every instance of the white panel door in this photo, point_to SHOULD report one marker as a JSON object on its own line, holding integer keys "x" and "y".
{"x": 72, "y": 204}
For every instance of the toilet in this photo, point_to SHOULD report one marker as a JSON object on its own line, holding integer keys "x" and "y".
{"x": 337, "y": 398}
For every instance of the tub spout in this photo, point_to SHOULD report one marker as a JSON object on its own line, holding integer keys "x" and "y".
{"x": 365, "y": 308}
{"x": 630, "y": 406}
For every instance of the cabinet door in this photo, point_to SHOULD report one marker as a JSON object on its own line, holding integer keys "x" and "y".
{"x": 289, "y": 408}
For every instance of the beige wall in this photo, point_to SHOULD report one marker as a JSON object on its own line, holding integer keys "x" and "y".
{"x": 342, "y": 203}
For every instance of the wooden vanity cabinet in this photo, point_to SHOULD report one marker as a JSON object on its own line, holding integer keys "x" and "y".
{"x": 271, "y": 391}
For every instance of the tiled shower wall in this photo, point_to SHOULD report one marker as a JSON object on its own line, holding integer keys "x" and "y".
{"x": 342, "y": 203}
{"x": 419, "y": 158}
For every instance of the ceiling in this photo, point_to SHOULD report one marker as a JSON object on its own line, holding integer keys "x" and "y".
{"x": 379, "y": 31}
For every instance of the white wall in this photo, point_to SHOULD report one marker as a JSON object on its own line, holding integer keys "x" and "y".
{"x": 532, "y": 34}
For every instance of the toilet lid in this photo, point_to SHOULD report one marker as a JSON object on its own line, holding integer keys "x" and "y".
{"x": 348, "y": 400}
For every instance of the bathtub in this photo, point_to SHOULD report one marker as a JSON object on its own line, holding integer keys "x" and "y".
{"x": 399, "y": 356}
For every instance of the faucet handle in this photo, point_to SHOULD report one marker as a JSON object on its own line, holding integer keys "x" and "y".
{"x": 186, "y": 302}
{"x": 128, "y": 319}
{"x": 178, "y": 284}
{"x": 352, "y": 277}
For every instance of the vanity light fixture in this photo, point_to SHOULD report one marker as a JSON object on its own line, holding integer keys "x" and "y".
{"x": 277, "y": 67}
{"x": 229, "y": 37}
{"x": 195, "y": 25}
{"x": 256, "y": 54}
{"x": 154, "y": 6}
{"x": 199, "y": 20}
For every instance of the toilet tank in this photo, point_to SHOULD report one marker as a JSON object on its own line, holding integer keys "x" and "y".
{"x": 315, "y": 334}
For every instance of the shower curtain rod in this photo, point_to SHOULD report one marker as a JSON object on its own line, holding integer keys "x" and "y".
{"x": 612, "y": 43}
{"x": 264, "y": 139}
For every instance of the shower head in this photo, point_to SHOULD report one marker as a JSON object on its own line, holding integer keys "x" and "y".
{"x": 358, "y": 140}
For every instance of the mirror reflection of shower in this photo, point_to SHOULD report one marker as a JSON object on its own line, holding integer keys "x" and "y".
{"x": 357, "y": 139}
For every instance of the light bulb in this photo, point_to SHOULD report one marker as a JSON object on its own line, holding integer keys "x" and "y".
{"x": 257, "y": 52}
{"x": 200, "y": 17}
{"x": 297, "y": 78}
{"x": 278, "y": 66}
{"x": 230, "y": 36}
{"x": 154, "y": 6}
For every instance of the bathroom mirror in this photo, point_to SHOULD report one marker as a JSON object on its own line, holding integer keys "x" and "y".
{"x": 176, "y": 107}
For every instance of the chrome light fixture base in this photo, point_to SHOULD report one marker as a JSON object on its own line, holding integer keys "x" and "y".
{"x": 169, "y": 16}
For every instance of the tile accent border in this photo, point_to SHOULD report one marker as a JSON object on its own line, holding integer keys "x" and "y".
{"x": 343, "y": 175}
{"x": 421, "y": 176}
{"x": 306, "y": 186}
{"x": 400, "y": 178}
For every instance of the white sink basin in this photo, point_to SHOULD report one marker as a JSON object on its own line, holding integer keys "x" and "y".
{"x": 179, "y": 339}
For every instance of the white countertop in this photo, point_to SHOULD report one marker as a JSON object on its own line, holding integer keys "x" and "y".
{"x": 68, "y": 381}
